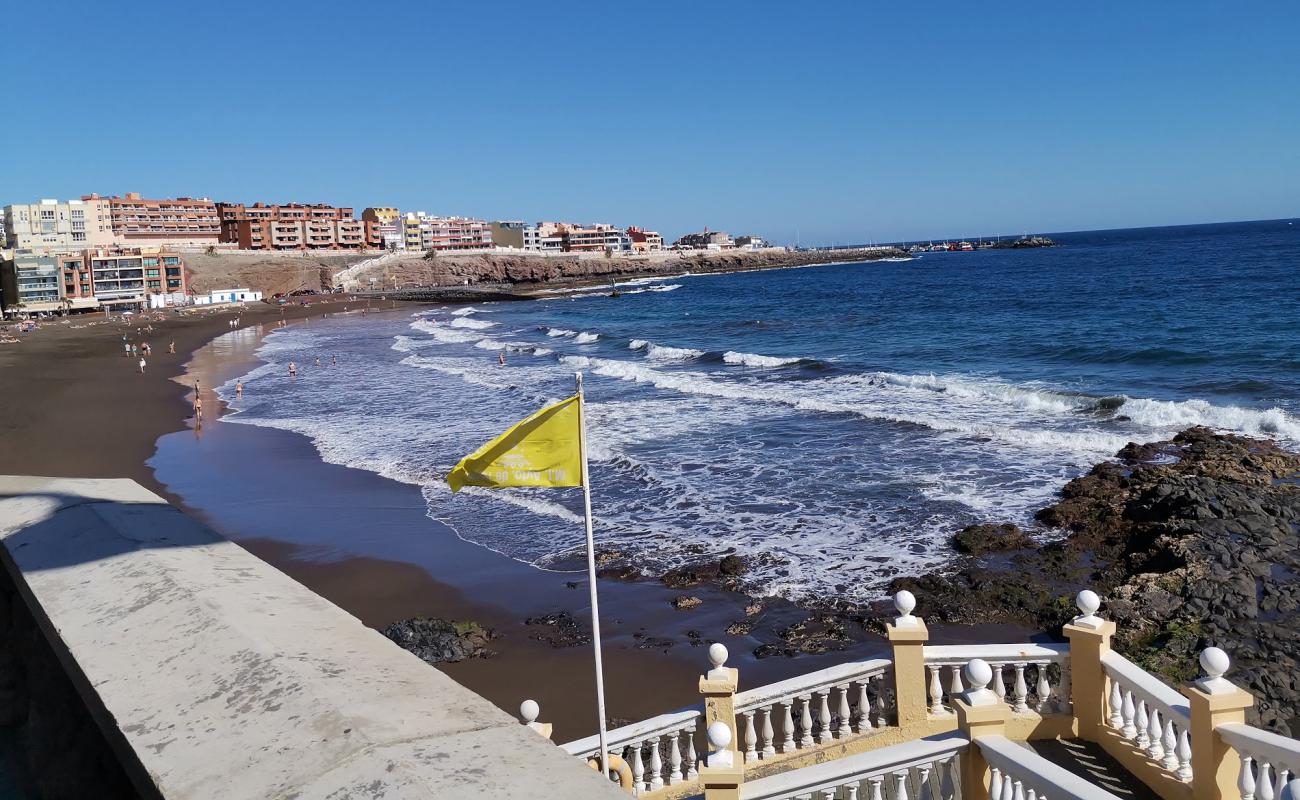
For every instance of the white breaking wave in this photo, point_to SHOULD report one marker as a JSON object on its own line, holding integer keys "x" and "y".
{"x": 661, "y": 353}
{"x": 464, "y": 312}
{"x": 754, "y": 360}
{"x": 1181, "y": 414}
{"x": 586, "y": 338}
{"x": 556, "y": 332}
{"x": 443, "y": 334}
{"x": 476, "y": 324}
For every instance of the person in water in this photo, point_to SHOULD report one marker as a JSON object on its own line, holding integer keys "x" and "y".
{"x": 239, "y": 389}
{"x": 318, "y": 361}
{"x": 501, "y": 358}
{"x": 293, "y": 369}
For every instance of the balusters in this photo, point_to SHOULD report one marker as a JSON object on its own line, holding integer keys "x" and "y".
{"x": 768, "y": 734}
{"x": 864, "y": 707}
{"x": 900, "y": 785}
{"x": 999, "y": 685}
{"x": 850, "y": 792}
{"x": 1265, "y": 781}
{"x": 823, "y": 715}
{"x": 692, "y": 760}
{"x": 1184, "y": 757}
{"x": 1116, "y": 704}
{"x": 1154, "y": 734}
{"x": 787, "y": 728}
{"x": 936, "y": 690}
{"x": 1008, "y": 788}
{"x": 880, "y": 702}
{"x": 1128, "y": 710}
{"x": 1141, "y": 722}
{"x": 656, "y": 766}
{"x": 1282, "y": 778}
{"x": 1168, "y": 742}
{"x": 674, "y": 758}
{"x": 1021, "y": 690}
{"x": 805, "y": 721}
{"x": 946, "y": 789}
{"x": 1044, "y": 688}
{"x": 924, "y": 792}
{"x": 751, "y": 738}
{"x": 955, "y": 686}
{"x": 1246, "y": 779}
{"x": 638, "y": 768}
{"x": 845, "y": 730}
{"x": 995, "y": 784}
{"x": 877, "y": 781}
{"x": 1019, "y": 792}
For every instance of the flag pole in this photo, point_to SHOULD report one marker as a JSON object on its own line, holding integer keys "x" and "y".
{"x": 591, "y": 576}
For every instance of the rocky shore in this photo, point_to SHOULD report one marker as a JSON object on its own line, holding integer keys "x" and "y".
{"x": 449, "y": 269}
{"x": 1191, "y": 542}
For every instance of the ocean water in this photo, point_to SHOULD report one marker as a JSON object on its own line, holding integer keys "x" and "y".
{"x": 838, "y": 422}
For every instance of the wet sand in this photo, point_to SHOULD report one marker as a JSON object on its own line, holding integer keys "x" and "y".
{"x": 358, "y": 539}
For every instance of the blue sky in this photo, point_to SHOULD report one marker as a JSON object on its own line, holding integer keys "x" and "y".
{"x": 838, "y": 121}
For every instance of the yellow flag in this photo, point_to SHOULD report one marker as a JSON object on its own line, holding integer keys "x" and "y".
{"x": 542, "y": 450}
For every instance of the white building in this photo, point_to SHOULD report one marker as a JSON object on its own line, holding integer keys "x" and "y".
{"x": 53, "y": 226}
{"x": 219, "y": 296}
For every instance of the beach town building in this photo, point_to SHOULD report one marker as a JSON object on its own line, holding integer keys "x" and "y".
{"x": 644, "y": 241}
{"x": 179, "y": 222}
{"x": 29, "y": 282}
{"x": 120, "y": 278}
{"x": 219, "y": 296}
{"x": 751, "y": 243}
{"x": 293, "y": 226}
{"x": 519, "y": 235}
{"x": 705, "y": 240}
{"x": 421, "y": 231}
{"x": 51, "y": 225}
{"x": 383, "y": 228}
{"x": 598, "y": 238}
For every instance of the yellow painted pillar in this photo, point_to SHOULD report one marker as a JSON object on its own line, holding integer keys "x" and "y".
{"x": 718, "y": 686}
{"x": 1089, "y": 637}
{"x": 908, "y": 635}
{"x": 1215, "y": 701}
{"x": 979, "y": 713}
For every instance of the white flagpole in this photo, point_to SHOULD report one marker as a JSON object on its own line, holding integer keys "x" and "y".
{"x": 591, "y": 576}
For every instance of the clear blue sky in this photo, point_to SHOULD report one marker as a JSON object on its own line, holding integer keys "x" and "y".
{"x": 848, "y": 121}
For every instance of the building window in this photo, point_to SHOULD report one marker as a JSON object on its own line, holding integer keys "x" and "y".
{"x": 79, "y": 236}
{"x": 170, "y": 260}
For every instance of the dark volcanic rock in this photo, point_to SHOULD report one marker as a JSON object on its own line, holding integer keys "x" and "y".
{"x": 1192, "y": 542}
{"x": 558, "y": 630}
{"x": 732, "y": 565}
{"x": 978, "y": 540}
{"x": 440, "y": 640}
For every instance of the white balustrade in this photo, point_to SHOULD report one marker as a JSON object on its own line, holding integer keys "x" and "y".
{"x": 1019, "y": 773}
{"x": 1152, "y": 716}
{"x": 813, "y": 709}
{"x": 1268, "y": 761}
{"x": 1025, "y": 665}
{"x": 660, "y": 751}
{"x": 920, "y": 770}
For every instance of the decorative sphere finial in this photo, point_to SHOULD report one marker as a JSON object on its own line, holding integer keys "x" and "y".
{"x": 1215, "y": 662}
{"x": 905, "y": 602}
{"x": 717, "y": 654}
{"x": 978, "y": 673}
{"x": 719, "y": 735}
{"x": 529, "y": 711}
{"x": 1087, "y": 602}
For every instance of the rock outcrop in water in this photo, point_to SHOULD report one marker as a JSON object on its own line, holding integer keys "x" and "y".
{"x": 1192, "y": 542}
{"x": 440, "y": 640}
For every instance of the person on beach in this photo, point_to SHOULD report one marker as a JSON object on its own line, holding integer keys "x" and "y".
{"x": 239, "y": 389}
{"x": 198, "y": 405}
{"x": 171, "y": 348}
{"x": 293, "y": 370}
{"x": 142, "y": 366}
{"x": 126, "y": 348}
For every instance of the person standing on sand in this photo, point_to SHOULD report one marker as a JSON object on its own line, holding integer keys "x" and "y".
{"x": 126, "y": 347}
{"x": 142, "y": 365}
{"x": 171, "y": 348}
{"x": 198, "y": 405}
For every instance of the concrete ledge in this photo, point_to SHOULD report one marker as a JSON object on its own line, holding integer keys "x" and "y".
{"x": 222, "y": 677}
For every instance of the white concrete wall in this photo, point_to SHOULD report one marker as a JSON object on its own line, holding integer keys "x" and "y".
{"x": 225, "y": 678}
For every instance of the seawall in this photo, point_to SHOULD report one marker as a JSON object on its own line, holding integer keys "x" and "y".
{"x": 146, "y": 656}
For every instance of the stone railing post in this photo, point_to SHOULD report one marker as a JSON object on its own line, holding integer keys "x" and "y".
{"x": 980, "y": 712}
{"x": 908, "y": 635}
{"x": 528, "y": 711}
{"x": 1089, "y": 637}
{"x": 718, "y": 686}
{"x": 723, "y": 771}
{"x": 1215, "y": 701}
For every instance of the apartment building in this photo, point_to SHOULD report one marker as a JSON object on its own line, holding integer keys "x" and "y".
{"x": 383, "y": 228}
{"x": 598, "y": 238}
{"x": 516, "y": 234}
{"x": 290, "y": 227}
{"x": 705, "y": 240}
{"x": 120, "y": 278}
{"x": 423, "y": 232}
{"x": 178, "y": 222}
{"x": 644, "y": 241}
{"x": 54, "y": 226}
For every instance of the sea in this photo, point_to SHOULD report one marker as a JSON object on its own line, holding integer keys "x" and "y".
{"x": 836, "y": 424}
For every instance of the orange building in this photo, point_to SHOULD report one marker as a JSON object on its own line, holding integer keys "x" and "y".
{"x": 291, "y": 227}
{"x": 182, "y": 221}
